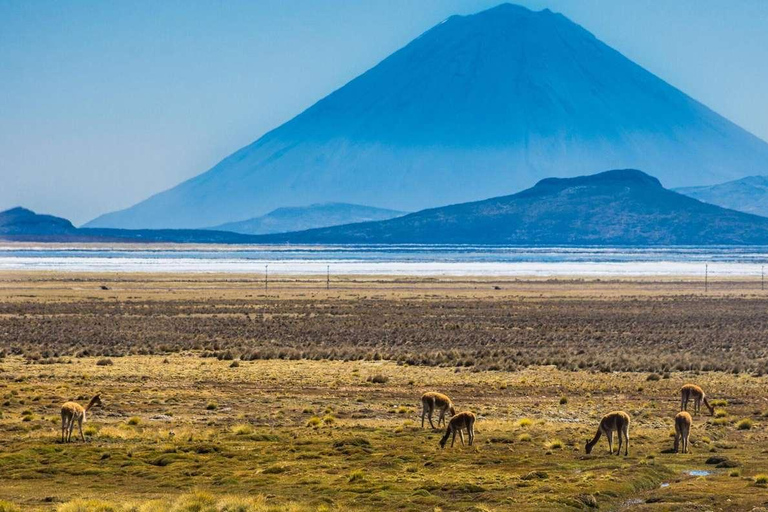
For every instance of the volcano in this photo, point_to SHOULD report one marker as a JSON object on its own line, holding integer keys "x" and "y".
{"x": 476, "y": 107}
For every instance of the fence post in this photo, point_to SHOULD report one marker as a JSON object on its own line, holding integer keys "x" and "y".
{"x": 706, "y": 276}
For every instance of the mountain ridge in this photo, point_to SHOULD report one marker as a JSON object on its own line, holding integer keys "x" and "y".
{"x": 749, "y": 194}
{"x": 623, "y": 207}
{"x": 299, "y": 218}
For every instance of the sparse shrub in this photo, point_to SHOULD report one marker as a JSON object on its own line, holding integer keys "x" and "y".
{"x": 134, "y": 420}
{"x": 744, "y": 424}
{"x": 314, "y": 421}
{"x": 524, "y": 438}
{"x": 211, "y": 406}
{"x": 718, "y": 402}
{"x": 653, "y": 377}
{"x": 235, "y": 364}
{"x": 89, "y": 431}
{"x": 104, "y": 362}
{"x": 563, "y": 400}
{"x": 761, "y": 479}
{"x": 329, "y": 419}
{"x": 720, "y": 413}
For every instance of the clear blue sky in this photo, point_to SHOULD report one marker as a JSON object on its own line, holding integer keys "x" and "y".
{"x": 103, "y": 103}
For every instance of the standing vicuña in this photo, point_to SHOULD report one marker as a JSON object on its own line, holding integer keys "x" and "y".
{"x": 431, "y": 401}
{"x": 683, "y": 423}
{"x": 617, "y": 421}
{"x": 463, "y": 420}
{"x": 693, "y": 391}
{"x": 72, "y": 412}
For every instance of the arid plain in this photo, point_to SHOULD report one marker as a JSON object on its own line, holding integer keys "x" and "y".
{"x": 219, "y": 394}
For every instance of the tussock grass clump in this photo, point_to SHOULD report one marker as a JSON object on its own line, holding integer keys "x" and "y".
{"x": 524, "y": 422}
{"x": 193, "y": 502}
{"x": 356, "y": 476}
{"x": 718, "y": 402}
{"x": 134, "y": 420}
{"x": 378, "y": 379}
{"x": 7, "y": 506}
{"x": 211, "y": 406}
{"x": 525, "y": 438}
{"x": 554, "y": 444}
{"x": 745, "y": 424}
{"x": 90, "y": 506}
{"x": 275, "y": 470}
{"x": 314, "y": 421}
{"x": 761, "y": 479}
{"x": 563, "y": 400}
{"x": 352, "y": 441}
{"x": 721, "y": 413}
{"x": 242, "y": 429}
{"x": 104, "y": 362}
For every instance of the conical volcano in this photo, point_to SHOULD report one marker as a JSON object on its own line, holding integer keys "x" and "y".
{"x": 477, "y": 106}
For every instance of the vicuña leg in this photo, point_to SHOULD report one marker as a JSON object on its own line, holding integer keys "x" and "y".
{"x": 626, "y": 440}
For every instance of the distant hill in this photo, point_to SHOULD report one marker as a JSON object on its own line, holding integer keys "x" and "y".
{"x": 748, "y": 194}
{"x": 308, "y": 217}
{"x": 477, "y": 104}
{"x": 21, "y": 224}
{"x": 20, "y": 221}
{"x": 620, "y": 207}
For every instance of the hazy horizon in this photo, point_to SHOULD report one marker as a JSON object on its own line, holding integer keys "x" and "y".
{"x": 105, "y": 104}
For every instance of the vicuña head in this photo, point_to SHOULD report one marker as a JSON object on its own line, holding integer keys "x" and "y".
{"x": 432, "y": 401}
{"x": 617, "y": 421}
{"x": 72, "y": 412}
{"x": 459, "y": 422}
{"x": 695, "y": 393}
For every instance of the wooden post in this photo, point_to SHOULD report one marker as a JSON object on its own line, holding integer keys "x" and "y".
{"x": 328, "y": 278}
{"x": 266, "y": 277}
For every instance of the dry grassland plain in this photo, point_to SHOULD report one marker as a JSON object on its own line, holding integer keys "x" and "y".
{"x": 220, "y": 395}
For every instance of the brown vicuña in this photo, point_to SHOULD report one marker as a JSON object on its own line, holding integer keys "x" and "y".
{"x": 616, "y": 421}
{"x": 433, "y": 400}
{"x": 72, "y": 412}
{"x": 461, "y": 421}
{"x": 692, "y": 391}
{"x": 683, "y": 422}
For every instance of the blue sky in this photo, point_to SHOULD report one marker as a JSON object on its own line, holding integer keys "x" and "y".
{"x": 105, "y": 103}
